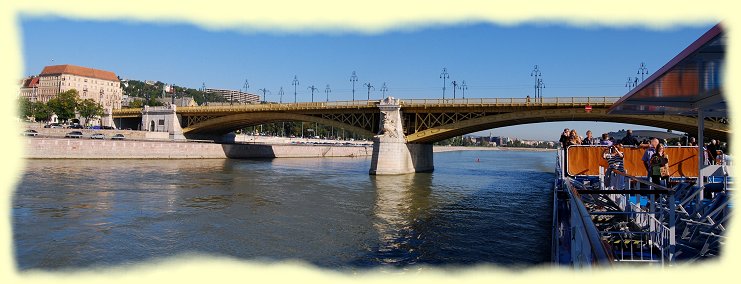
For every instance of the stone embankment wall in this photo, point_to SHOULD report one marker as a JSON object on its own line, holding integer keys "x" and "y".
{"x": 130, "y": 134}
{"x": 62, "y": 148}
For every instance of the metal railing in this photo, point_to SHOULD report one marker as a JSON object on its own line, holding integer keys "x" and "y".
{"x": 555, "y": 101}
{"x": 587, "y": 247}
{"x": 656, "y": 220}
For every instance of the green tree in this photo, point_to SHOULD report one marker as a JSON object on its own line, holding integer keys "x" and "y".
{"x": 41, "y": 111}
{"x": 25, "y": 108}
{"x": 65, "y": 104}
{"x": 89, "y": 109}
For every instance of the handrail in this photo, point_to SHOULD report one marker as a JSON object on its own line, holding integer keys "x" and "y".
{"x": 593, "y": 237}
{"x": 553, "y": 101}
{"x": 643, "y": 181}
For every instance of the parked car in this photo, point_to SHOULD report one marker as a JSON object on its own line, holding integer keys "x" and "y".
{"x": 53, "y": 125}
{"x": 30, "y": 132}
{"x": 95, "y": 127}
{"x": 118, "y": 137}
{"x": 97, "y": 136}
{"x": 74, "y": 134}
{"x": 76, "y": 126}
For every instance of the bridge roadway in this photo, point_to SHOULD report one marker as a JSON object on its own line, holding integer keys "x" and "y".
{"x": 423, "y": 120}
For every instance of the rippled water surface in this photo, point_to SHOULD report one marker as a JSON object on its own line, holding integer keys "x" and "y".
{"x": 325, "y": 211}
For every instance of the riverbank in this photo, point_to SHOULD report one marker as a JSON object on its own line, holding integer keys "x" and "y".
{"x": 438, "y": 149}
{"x": 64, "y": 148}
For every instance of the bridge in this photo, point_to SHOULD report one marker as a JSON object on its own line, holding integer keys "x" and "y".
{"x": 414, "y": 123}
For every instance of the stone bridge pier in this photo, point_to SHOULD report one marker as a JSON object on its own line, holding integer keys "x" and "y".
{"x": 162, "y": 119}
{"x": 392, "y": 155}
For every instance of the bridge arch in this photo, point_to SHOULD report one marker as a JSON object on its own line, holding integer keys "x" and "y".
{"x": 228, "y": 123}
{"x": 680, "y": 123}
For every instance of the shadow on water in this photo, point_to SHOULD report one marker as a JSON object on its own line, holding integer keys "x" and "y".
{"x": 327, "y": 212}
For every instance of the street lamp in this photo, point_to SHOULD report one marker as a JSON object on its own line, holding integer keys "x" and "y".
{"x": 369, "y": 86}
{"x": 455, "y": 86}
{"x": 631, "y": 82}
{"x": 536, "y": 73}
{"x": 444, "y": 75}
{"x": 294, "y": 83}
{"x": 464, "y": 87}
{"x": 264, "y": 90}
{"x": 642, "y": 70}
{"x": 353, "y": 79}
{"x": 384, "y": 89}
{"x": 280, "y": 93}
{"x": 312, "y": 88}
{"x": 327, "y": 90}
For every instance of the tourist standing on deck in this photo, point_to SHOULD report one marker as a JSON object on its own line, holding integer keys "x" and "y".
{"x": 605, "y": 140}
{"x": 589, "y": 140}
{"x": 564, "y": 138}
{"x": 693, "y": 142}
{"x": 659, "y": 166}
{"x": 614, "y": 156}
{"x": 629, "y": 139}
{"x": 574, "y": 138}
{"x": 712, "y": 151}
{"x": 648, "y": 154}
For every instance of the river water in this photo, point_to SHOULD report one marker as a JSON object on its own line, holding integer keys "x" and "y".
{"x": 324, "y": 211}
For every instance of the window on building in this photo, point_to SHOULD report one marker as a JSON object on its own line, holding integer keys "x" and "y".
{"x": 162, "y": 122}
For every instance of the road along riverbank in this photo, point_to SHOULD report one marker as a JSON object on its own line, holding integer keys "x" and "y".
{"x": 64, "y": 148}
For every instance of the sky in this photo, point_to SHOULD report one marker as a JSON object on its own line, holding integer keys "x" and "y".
{"x": 494, "y": 60}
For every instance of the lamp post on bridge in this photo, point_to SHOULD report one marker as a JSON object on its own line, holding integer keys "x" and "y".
{"x": 455, "y": 86}
{"x": 444, "y": 75}
{"x": 312, "y": 88}
{"x": 631, "y": 83}
{"x": 246, "y": 86}
{"x": 327, "y": 90}
{"x": 538, "y": 82}
{"x": 464, "y": 87}
{"x": 642, "y": 70}
{"x": 264, "y": 90}
{"x": 353, "y": 79}
{"x": 295, "y": 84}
{"x": 384, "y": 89}
{"x": 280, "y": 94}
{"x": 369, "y": 86}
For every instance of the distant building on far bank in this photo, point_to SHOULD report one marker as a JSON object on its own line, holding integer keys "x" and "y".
{"x": 235, "y": 96}
{"x": 101, "y": 86}
{"x": 179, "y": 102}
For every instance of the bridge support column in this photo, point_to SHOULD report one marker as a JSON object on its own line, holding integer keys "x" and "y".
{"x": 162, "y": 119}
{"x": 391, "y": 153}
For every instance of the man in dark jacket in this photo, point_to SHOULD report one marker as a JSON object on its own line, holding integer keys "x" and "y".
{"x": 564, "y": 138}
{"x": 629, "y": 139}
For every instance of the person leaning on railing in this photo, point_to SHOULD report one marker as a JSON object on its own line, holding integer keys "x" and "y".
{"x": 614, "y": 156}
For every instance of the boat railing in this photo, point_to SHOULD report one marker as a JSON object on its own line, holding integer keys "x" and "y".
{"x": 651, "y": 207}
{"x": 587, "y": 248}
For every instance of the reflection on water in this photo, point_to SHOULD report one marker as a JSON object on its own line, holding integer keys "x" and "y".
{"x": 328, "y": 212}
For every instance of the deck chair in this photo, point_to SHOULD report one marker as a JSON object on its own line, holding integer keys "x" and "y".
{"x": 706, "y": 215}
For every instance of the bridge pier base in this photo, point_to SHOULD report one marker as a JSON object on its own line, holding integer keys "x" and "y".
{"x": 398, "y": 158}
{"x": 392, "y": 155}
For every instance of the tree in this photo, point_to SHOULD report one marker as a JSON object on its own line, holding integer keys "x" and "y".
{"x": 89, "y": 109}
{"x": 41, "y": 111}
{"x": 25, "y": 108}
{"x": 65, "y": 104}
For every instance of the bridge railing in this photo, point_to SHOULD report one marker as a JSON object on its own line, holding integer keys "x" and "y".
{"x": 556, "y": 101}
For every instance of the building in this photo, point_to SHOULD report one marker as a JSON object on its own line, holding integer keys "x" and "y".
{"x": 235, "y": 96}
{"x": 180, "y": 102}
{"x": 101, "y": 86}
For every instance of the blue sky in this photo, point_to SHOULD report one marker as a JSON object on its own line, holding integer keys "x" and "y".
{"x": 494, "y": 60}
